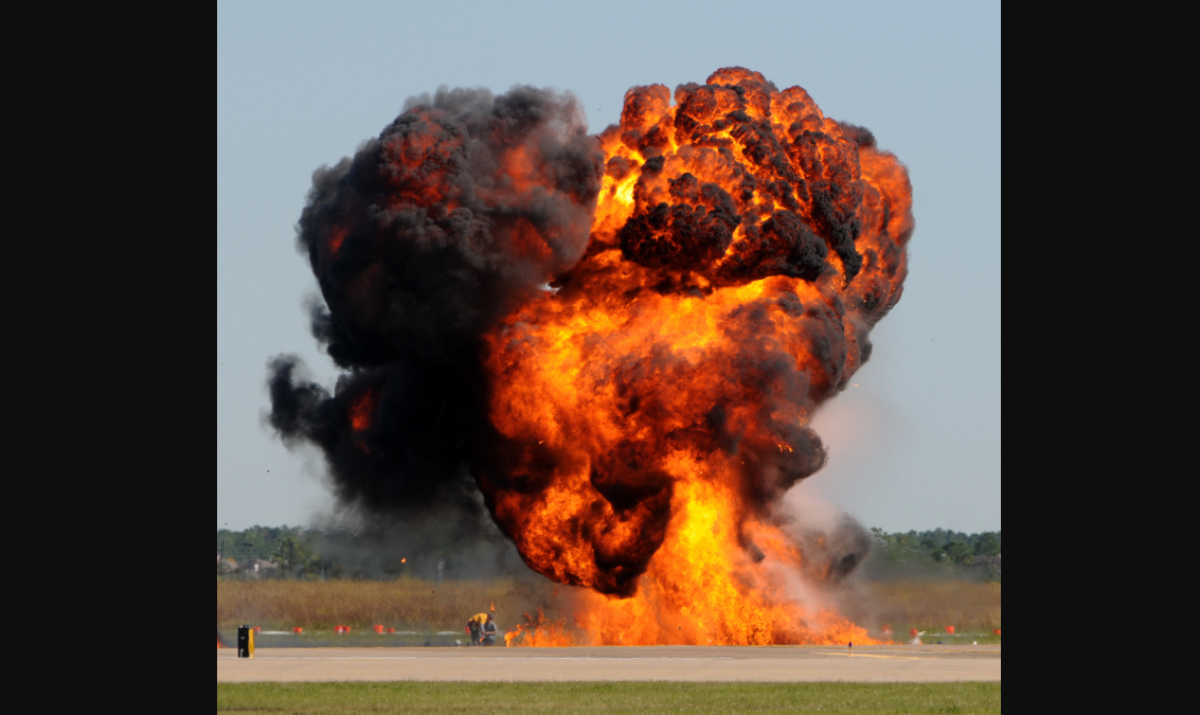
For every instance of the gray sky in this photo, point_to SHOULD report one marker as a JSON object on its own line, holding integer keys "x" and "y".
{"x": 915, "y": 445}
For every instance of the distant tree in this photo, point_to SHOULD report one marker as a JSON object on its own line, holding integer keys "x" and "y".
{"x": 292, "y": 556}
{"x": 989, "y": 544}
{"x": 959, "y": 552}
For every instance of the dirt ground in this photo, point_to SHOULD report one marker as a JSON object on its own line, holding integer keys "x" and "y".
{"x": 929, "y": 663}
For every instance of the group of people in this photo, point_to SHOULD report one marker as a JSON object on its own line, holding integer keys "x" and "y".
{"x": 482, "y": 627}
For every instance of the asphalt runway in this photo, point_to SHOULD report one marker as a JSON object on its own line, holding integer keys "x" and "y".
{"x": 779, "y": 664}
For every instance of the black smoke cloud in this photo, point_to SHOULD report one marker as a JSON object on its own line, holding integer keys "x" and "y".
{"x": 455, "y": 215}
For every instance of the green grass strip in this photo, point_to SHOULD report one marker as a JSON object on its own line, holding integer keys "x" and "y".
{"x": 609, "y": 698}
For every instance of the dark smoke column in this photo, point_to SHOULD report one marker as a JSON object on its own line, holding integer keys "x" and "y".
{"x": 451, "y": 219}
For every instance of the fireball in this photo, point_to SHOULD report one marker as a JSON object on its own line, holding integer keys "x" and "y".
{"x": 622, "y": 337}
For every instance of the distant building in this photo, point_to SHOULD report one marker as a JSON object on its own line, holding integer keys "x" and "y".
{"x": 258, "y": 566}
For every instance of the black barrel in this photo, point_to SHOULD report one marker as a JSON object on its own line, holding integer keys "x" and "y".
{"x": 245, "y": 642}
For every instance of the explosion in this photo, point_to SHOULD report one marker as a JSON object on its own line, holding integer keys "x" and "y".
{"x": 619, "y": 340}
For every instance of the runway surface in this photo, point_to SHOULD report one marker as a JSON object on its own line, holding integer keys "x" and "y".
{"x": 780, "y": 664}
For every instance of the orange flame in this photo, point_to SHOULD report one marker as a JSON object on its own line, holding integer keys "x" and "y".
{"x": 643, "y": 467}
{"x": 337, "y": 235}
{"x": 360, "y": 413}
{"x": 540, "y": 633}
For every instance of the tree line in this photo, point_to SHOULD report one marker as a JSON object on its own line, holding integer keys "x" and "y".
{"x": 426, "y": 551}
{"x": 917, "y": 553}
{"x": 296, "y": 552}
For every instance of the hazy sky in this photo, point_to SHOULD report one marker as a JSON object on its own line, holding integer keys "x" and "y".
{"x": 914, "y": 445}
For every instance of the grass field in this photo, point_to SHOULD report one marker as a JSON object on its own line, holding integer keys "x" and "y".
{"x": 929, "y": 605}
{"x": 609, "y": 698}
{"x": 403, "y": 603}
{"x": 412, "y": 604}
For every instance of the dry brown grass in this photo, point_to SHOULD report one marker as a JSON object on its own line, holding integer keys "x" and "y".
{"x": 934, "y": 604}
{"x": 407, "y": 603}
{"x": 416, "y": 604}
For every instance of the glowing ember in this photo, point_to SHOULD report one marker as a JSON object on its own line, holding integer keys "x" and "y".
{"x": 624, "y": 337}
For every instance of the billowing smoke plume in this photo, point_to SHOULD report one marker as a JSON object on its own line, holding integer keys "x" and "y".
{"x": 744, "y": 245}
{"x": 455, "y": 215}
{"x": 619, "y": 341}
